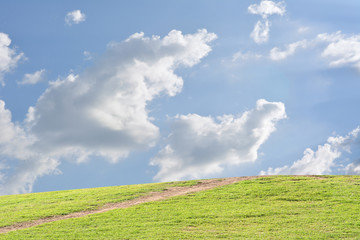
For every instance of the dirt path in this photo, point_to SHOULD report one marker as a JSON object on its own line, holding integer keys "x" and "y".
{"x": 151, "y": 197}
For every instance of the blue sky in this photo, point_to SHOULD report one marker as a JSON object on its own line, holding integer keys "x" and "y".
{"x": 124, "y": 92}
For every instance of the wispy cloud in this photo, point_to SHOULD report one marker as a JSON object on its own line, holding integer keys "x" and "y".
{"x": 33, "y": 78}
{"x": 278, "y": 54}
{"x": 87, "y": 55}
{"x": 339, "y": 49}
{"x": 303, "y": 29}
{"x": 261, "y": 32}
{"x": 246, "y": 56}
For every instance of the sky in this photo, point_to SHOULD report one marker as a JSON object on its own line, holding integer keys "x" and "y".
{"x": 96, "y": 93}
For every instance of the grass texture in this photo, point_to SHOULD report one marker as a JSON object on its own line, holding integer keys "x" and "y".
{"x": 278, "y": 207}
{"x": 26, "y": 207}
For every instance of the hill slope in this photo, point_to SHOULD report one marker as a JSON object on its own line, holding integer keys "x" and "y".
{"x": 276, "y": 207}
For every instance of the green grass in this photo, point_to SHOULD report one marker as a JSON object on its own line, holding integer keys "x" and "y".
{"x": 27, "y": 207}
{"x": 278, "y": 207}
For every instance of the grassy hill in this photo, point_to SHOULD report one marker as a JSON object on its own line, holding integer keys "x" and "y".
{"x": 277, "y": 207}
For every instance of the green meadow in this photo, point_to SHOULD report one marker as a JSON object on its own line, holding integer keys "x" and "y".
{"x": 26, "y": 207}
{"x": 277, "y": 207}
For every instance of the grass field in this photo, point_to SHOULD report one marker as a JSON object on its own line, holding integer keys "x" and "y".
{"x": 278, "y": 207}
{"x": 27, "y": 207}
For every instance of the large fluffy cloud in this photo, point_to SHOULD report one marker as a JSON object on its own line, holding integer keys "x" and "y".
{"x": 8, "y": 56}
{"x": 199, "y": 146}
{"x": 321, "y": 161}
{"x": 266, "y": 8}
{"x": 103, "y": 111}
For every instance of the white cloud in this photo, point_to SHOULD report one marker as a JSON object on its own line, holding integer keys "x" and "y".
{"x": 15, "y": 143}
{"x": 353, "y": 168}
{"x": 330, "y": 37}
{"x": 245, "y": 56}
{"x": 7, "y": 128}
{"x": 26, "y": 173}
{"x": 345, "y": 143}
{"x": 10, "y": 132}
{"x": 103, "y": 111}
{"x": 199, "y": 146}
{"x": 342, "y": 50}
{"x": 261, "y": 32}
{"x": 74, "y": 17}
{"x": 8, "y": 56}
{"x": 277, "y": 54}
{"x": 321, "y": 161}
{"x": 339, "y": 49}
{"x": 69, "y": 78}
{"x": 33, "y": 78}
{"x": 266, "y": 8}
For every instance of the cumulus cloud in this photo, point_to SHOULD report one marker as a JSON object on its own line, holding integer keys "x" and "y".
{"x": 15, "y": 144}
{"x": 342, "y": 50}
{"x": 103, "y": 111}
{"x": 199, "y": 146}
{"x": 105, "y": 107}
{"x": 345, "y": 142}
{"x": 353, "y": 168}
{"x": 33, "y": 78}
{"x": 266, "y": 8}
{"x": 74, "y": 17}
{"x": 9, "y": 57}
{"x": 278, "y": 54}
{"x": 320, "y": 161}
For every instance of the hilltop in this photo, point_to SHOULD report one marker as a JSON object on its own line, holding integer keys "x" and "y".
{"x": 270, "y": 207}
